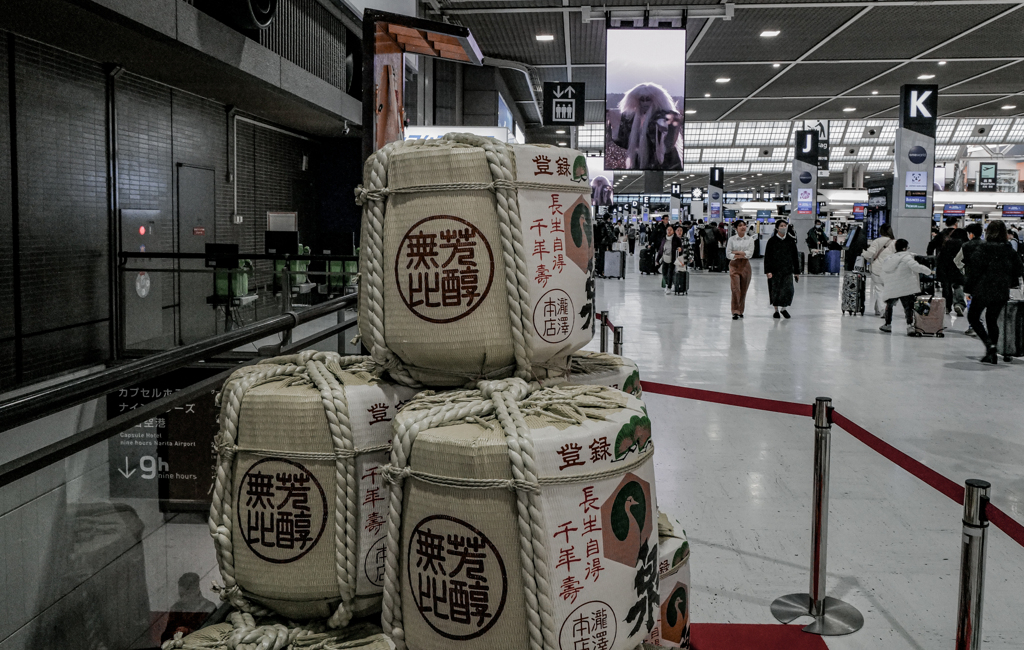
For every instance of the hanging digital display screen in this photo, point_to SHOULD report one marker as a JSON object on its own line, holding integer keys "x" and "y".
{"x": 645, "y": 81}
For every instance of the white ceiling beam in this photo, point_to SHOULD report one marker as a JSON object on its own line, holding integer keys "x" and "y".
{"x": 722, "y": 10}
{"x": 697, "y": 39}
{"x": 1017, "y": 5}
{"x": 998, "y": 99}
{"x": 803, "y": 56}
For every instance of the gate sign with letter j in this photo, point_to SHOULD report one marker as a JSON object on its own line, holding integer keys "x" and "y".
{"x": 564, "y": 103}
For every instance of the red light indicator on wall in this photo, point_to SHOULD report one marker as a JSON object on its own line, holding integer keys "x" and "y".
{"x": 142, "y": 230}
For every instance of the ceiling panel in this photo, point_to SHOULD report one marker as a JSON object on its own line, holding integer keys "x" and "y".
{"x": 739, "y": 39}
{"x": 513, "y": 36}
{"x": 865, "y": 106}
{"x": 905, "y": 31}
{"x": 708, "y": 109}
{"x": 993, "y": 109}
{"x": 499, "y": 4}
{"x": 595, "y": 112}
{"x": 516, "y": 82}
{"x": 1006, "y": 80}
{"x": 552, "y": 74}
{"x": 743, "y": 79}
{"x": 593, "y": 78}
{"x": 693, "y": 27}
{"x": 945, "y": 75}
{"x": 822, "y": 79}
{"x": 759, "y": 108}
{"x": 587, "y": 40}
{"x": 994, "y": 39}
{"x": 948, "y": 104}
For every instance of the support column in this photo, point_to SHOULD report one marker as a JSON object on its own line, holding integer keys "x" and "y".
{"x": 915, "y": 165}
{"x": 804, "y": 195}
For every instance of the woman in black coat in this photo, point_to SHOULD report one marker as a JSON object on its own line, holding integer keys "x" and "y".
{"x": 782, "y": 266}
{"x": 858, "y": 244}
{"x": 993, "y": 268}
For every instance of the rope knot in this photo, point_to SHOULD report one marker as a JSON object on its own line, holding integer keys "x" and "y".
{"x": 392, "y": 475}
{"x": 364, "y": 195}
{"x": 517, "y": 388}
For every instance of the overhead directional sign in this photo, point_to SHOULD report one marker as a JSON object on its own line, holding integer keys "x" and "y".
{"x": 564, "y": 103}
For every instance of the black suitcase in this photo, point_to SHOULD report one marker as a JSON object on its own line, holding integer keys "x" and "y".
{"x": 1011, "y": 330}
{"x": 816, "y": 263}
{"x": 647, "y": 265}
{"x": 803, "y": 263}
{"x": 681, "y": 282}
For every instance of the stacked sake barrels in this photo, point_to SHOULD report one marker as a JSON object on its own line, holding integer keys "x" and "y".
{"x": 478, "y": 476}
{"x": 522, "y": 505}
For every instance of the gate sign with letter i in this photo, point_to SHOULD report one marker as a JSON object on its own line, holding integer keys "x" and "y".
{"x": 564, "y": 103}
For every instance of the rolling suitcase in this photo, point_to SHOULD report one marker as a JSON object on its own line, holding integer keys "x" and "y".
{"x": 929, "y": 316}
{"x": 681, "y": 282}
{"x": 647, "y": 265}
{"x": 853, "y": 293}
{"x": 1011, "y": 330}
{"x": 615, "y": 264}
{"x": 816, "y": 263}
{"x": 833, "y": 262}
{"x": 803, "y": 262}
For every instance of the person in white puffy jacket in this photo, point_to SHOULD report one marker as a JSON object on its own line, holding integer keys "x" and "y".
{"x": 902, "y": 276}
{"x": 881, "y": 247}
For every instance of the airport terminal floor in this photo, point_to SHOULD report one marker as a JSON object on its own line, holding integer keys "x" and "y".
{"x": 741, "y": 478}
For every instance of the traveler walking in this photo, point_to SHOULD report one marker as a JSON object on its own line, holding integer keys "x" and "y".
{"x": 857, "y": 244}
{"x": 631, "y": 237}
{"x": 968, "y": 248}
{"x": 709, "y": 246}
{"x": 993, "y": 269}
{"x": 722, "y": 237}
{"x": 782, "y": 266}
{"x": 671, "y": 246}
{"x": 816, "y": 237}
{"x": 902, "y": 274}
{"x": 946, "y": 271}
{"x": 738, "y": 250}
{"x": 880, "y": 248}
{"x": 605, "y": 237}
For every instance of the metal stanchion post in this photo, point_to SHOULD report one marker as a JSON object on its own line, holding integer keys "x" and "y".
{"x": 832, "y": 617}
{"x": 617, "y": 341}
{"x": 604, "y": 331}
{"x": 972, "y": 565}
{"x": 286, "y": 301}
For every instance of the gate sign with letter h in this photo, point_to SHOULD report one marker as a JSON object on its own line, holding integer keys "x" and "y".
{"x": 564, "y": 103}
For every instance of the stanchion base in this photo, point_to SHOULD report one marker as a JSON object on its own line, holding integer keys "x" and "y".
{"x": 837, "y": 618}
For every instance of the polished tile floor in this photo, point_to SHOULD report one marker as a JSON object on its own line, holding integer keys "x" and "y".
{"x": 740, "y": 479}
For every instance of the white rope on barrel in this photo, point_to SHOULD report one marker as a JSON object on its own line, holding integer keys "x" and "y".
{"x": 501, "y": 161}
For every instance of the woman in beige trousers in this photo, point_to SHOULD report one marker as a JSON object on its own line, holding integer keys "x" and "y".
{"x": 738, "y": 251}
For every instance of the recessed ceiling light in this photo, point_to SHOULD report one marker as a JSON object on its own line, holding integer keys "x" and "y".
{"x": 561, "y": 144}
{"x": 770, "y": 33}
{"x": 942, "y": 63}
{"x": 1008, "y": 107}
{"x": 925, "y": 76}
{"x": 560, "y": 132}
{"x": 874, "y": 92}
{"x": 776, "y": 65}
{"x": 849, "y": 109}
{"x": 690, "y": 111}
{"x": 707, "y": 94}
{"x": 761, "y": 175}
{"x": 722, "y": 80}
{"x": 545, "y": 37}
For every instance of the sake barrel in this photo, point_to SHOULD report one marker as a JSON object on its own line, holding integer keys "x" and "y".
{"x": 673, "y": 629}
{"x": 243, "y": 631}
{"x": 526, "y": 520}
{"x": 477, "y": 259}
{"x": 299, "y": 503}
{"x": 602, "y": 369}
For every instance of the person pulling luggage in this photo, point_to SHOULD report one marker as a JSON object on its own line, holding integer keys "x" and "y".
{"x": 738, "y": 250}
{"x": 902, "y": 275}
{"x": 993, "y": 268}
{"x": 816, "y": 237}
{"x": 782, "y": 266}
{"x": 671, "y": 247}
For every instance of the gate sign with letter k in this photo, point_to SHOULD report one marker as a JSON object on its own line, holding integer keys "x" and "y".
{"x": 919, "y": 106}
{"x": 564, "y": 103}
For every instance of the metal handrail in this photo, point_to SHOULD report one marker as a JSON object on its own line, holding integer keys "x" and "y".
{"x": 53, "y": 399}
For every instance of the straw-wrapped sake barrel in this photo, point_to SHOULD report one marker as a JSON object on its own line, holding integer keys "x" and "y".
{"x": 477, "y": 259}
{"x": 673, "y": 629}
{"x": 602, "y": 369}
{"x": 522, "y": 520}
{"x": 299, "y": 503}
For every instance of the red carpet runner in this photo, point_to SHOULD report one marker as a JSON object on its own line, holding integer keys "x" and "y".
{"x": 720, "y": 636}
